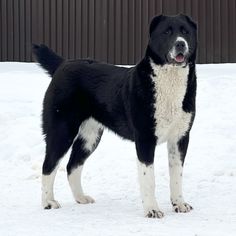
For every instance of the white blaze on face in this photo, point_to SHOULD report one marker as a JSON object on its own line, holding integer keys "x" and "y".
{"x": 181, "y": 39}
{"x": 173, "y": 53}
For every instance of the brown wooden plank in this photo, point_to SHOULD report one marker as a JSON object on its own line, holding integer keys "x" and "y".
{"x": 84, "y": 32}
{"x": 194, "y": 10}
{"x": 224, "y": 31}
{"x": 118, "y": 32}
{"x": 217, "y": 31}
{"x": 232, "y": 31}
{"x": 91, "y": 29}
{"x": 65, "y": 29}
{"x": 165, "y": 4}
{"x": 173, "y": 7}
{"x": 124, "y": 20}
{"x": 59, "y": 27}
{"x": 28, "y": 39}
{"x": 35, "y": 23}
{"x": 188, "y": 8}
{"x": 209, "y": 31}
{"x": 97, "y": 29}
{"x": 47, "y": 23}
{"x": 78, "y": 29}
{"x": 4, "y": 29}
{"x": 145, "y": 27}
{"x": 16, "y": 30}
{"x": 41, "y": 21}
{"x": 138, "y": 30}
{"x": 194, "y": 15}
{"x": 22, "y": 30}
{"x": 151, "y": 10}
{"x": 10, "y": 31}
{"x": 180, "y": 6}
{"x": 53, "y": 24}
{"x": 158, "y": 7}
{"x": 72, "y": 12}
{"x": 111, "y": 31}
{"x": 104, "y": 29}
{"x": 131, "y": 26}
{"x": 202, "y": 31}
{"x": 167, "y": 7}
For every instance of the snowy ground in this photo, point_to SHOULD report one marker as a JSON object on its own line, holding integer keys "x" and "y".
{"x": 209, "y": 175}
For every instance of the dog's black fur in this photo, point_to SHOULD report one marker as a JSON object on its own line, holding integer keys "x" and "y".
{"x": 119, "y": 98}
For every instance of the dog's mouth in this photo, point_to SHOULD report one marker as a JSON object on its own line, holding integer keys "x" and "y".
{"x": 179, "y": 58}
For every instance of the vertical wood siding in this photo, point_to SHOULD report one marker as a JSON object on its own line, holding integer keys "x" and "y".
{"x": 114, "y": 31}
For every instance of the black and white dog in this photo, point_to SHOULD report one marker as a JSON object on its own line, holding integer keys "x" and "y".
{"x": 150, "y": 103}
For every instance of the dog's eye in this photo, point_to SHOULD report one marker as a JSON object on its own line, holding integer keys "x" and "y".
{"x": 184, "y": 31}
{"x": 168, "y": 32}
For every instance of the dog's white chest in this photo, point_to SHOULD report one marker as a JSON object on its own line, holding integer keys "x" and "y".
{"x": 170, "y": 83}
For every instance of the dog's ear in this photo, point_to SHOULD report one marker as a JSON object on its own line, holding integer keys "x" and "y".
{"x": 155, "y": 21}
{"x": 189, "y": 20}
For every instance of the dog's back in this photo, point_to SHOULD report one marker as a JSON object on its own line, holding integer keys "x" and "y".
{"x": 97, "y": 88}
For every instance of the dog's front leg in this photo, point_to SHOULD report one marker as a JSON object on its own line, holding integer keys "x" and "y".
{"x": 177, "y": 150}
{"x": 145, "y": 152}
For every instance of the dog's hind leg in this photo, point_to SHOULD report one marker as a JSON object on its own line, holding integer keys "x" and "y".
{"x": 88, "y": 137}
{"x": 58, "y": 140}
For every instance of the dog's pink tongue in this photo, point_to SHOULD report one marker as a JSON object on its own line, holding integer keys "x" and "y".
{"x": 179, "y": 58}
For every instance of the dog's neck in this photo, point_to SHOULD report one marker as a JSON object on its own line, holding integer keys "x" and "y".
{"x": 170, "y": 70}
{"x": 153, "y": 56}
{"x": 170, "y": 77}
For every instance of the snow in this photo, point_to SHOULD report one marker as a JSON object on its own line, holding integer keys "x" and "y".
{"x": 110, "y": 175}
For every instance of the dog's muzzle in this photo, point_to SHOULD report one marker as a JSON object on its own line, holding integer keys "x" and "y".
{"x": 179, "y": 52}
{"x": 180, "y": 49}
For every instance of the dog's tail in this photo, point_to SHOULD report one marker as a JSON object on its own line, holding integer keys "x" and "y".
{"x": 48, "y": 59}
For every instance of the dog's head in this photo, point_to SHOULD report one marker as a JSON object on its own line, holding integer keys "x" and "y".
{"x": 173, "y": 40}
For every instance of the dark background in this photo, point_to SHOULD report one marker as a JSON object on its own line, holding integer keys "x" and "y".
{"x": 115, "y": 31}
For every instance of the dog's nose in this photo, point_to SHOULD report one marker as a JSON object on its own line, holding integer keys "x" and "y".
{"x": 180, "y": 45}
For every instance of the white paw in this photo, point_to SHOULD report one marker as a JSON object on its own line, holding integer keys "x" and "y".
{"x": 182, "y": 207}
{"x": 154, "y": 214}
{"x": 49, "y": 204}
{"x": 83, "y": 199}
